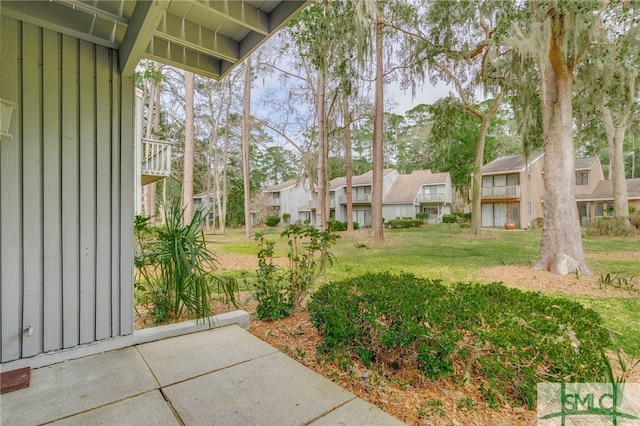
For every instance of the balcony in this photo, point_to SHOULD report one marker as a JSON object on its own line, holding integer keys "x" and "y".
{"x": 156, "y": 160}
{"x": 274, "y": 202}
{"x": 431, "y": 198}
{"x": 501, "y": 192}
{"x": 314, "y": 203}
{"x": 356, "y": 199}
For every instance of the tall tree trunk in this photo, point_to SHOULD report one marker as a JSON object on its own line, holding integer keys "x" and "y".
{"x": 322, "y": 186}
{"x": 561, "y": 249}
{"x": 246, "y": 117}
{"x": 378, "y": 142}
{"x": 189, "y": 142}
{"x": 476, "y": 196}
{"x": 615, "y": 138}
{"x": 347, "y": 159}
{"x": 153, "y": 120}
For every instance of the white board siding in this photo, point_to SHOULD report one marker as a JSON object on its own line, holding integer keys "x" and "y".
{"x": 66, "y": 193}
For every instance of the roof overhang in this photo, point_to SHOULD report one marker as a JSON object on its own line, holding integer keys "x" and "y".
{"x": 208, "y": 37}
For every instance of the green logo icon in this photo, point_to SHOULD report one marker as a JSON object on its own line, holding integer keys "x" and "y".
{"x": 569, "y": 404}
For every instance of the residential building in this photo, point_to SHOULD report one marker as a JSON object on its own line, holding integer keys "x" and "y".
{"x": 512, "y": 190}
{"x": 420, "y": 191}
{"x": 289, "y": 197}
{"x": 403, "y": 197}
{"x": 599, "y": 202}
{"x": 362, "y": 186}
{"x": 68, "y": 161}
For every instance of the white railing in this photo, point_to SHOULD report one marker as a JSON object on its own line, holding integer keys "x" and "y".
{"x": 156, "y": 157}
{"x": 426, "y": 198}
{"x": 510, "y": 191}
{"x": 356, "y": 198}
{"x": 274, "y": 201}
{"x": 314, "y": 203}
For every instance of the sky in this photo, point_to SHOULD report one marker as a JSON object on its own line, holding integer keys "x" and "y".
{"x": 428, "y": 94}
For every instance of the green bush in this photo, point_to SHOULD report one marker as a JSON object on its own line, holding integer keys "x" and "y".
{"x": 337, "y": 226}
{"x": 511, "y": 338}
{"x": 272, "y": 221}
{"x": 403, "y": 223}
{"x": 608, "y": 226}
{"x": 174, "y": 266}
{"x": 286, "y": 217}
{"x": 281, "y": 291}
{"x": 537, "y": 223}
{"x": 634, "y": 220}
{"x": 423, "y": 216}
{"x": 449, "y": 218}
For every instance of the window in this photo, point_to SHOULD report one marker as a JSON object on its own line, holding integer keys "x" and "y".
{"x": 598, "y": 210}
{"x": 487, "y": 181}
{"x": 582, "y": 178}
{"x": 528, "y": 208}
{"x": 513, "y": 179}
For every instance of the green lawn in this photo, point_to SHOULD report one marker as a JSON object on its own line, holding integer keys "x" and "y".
{"x": 448, "y": 253}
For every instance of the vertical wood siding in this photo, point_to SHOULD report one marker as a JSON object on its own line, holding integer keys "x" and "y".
{"x": 66, "y": 193}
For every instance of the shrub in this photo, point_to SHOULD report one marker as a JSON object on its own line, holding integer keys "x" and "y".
{"x": 286, "y": 217}
{"x": 403, "y": 223}
{"x": 537, "y": 223}
{"x": 608, "y": 226}
{"x": 281, "y": 291}
{"x": 423, "y": 216}
{"x": 174, "y": 268}
{"x": 272, "y": 221}
{"x": 510, "y": 338}
{"x": 634, "y": 220}
{"x": 337, "y": 226}
{"x": 449, "y": 218}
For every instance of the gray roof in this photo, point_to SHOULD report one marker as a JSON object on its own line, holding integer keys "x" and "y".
{"x": 585, "y": 163}
{"x": 604, "y": 191}
{"x": 279, "y": 187}
{"x": 406, "y": 188}
{"x": 365, "y": 179}
{"x": 207, "y": 37}
{"x": 509, "y": 163}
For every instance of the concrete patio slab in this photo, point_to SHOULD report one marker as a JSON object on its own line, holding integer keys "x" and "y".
{"x": 357, "y": 413}
{"x": 72, "y": 387}
{"x": 149, "y": 409}
{"x": 180, "y": 358}
{"x": 272, "y": 390}
{"x": 223, "y": 376}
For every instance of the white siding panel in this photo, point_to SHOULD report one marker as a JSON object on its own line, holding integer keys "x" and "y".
{"x": 87, "y": 193}
{"x": 52, "y": 185}
{"x": 32, "y": 189}
{"x": 10, "y": 198}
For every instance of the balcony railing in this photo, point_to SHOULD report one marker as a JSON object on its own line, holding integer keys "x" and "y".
{"x": 429, "y": 198}
{"x": 314, "y": 203}
{"x": 509, "y": 191}
{"x": 356, "y": 199}
{"x": 274, "y": 201}
{"x": 156, "y": 158}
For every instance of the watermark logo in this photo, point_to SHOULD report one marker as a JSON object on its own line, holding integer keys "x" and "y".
{"x": 570, "y": 404}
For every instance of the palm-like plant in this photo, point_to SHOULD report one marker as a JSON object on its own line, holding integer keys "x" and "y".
{"x": 179, "y": 267}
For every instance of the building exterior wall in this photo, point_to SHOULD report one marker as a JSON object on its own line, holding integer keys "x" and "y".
{"x": 532, "y": 184}
{"x": 66, "y": 192}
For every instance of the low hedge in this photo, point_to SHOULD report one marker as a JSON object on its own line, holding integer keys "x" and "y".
{"x": 609, "y": 227}
{"x": 510, "y": 339}
{"x": 403, "y": 223}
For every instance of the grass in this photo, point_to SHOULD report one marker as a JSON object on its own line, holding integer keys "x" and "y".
{"x": 448, "y": 253}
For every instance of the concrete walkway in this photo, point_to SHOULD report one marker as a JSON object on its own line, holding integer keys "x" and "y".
{"x": 221, "y": 376}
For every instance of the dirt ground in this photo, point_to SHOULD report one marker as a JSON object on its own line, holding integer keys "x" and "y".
{"x": 434, "y": 403}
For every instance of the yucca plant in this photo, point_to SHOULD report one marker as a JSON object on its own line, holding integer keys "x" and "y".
{"x": 180, "y": 268}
